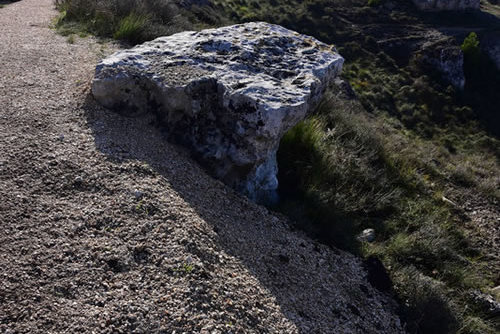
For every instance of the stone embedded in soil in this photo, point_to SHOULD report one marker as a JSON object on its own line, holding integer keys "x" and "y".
{"x": 368, "y": 235}
{"x": 229, "y": 94}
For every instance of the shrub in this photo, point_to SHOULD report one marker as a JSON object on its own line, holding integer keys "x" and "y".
{"x": 300, "y": 155}
{"x": 470, "y": 47}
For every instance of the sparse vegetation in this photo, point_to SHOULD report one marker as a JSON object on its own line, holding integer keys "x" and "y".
{"x": 476, "y": 325}
{"x": 184, "y": 269}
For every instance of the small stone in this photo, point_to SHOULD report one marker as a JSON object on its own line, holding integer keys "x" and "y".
{"x": 138, "y": 194}
{"x": 367, "y": 235}
{"x": 486, "y": 303}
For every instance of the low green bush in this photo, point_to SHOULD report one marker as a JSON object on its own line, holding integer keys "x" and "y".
{"x": 470, "y": 47}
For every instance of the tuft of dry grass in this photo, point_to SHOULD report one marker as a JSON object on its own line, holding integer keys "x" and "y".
{"x": 131, "y": 21}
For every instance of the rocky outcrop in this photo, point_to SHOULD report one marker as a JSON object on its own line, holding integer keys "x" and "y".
{"x": 446, "y": 5}
{"x": 446, "y": 59}
{"x": 427, "y": 47}
{"x": 229, "y": 94}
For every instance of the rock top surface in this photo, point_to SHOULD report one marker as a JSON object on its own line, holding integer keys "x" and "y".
{"x": 229, "y": 94}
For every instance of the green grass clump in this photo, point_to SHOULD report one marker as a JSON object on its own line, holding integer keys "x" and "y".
{"x": 334, "y": 165}
{"x": 131, "y": 28}
{"x": 300, "y": 152}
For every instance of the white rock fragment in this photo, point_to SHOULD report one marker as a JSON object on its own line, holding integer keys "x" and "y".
{"x": 368, "y": 235}
{"x": 229, "y": 94}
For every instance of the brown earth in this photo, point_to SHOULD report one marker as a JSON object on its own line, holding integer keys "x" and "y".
{"x": 107, "y": 228}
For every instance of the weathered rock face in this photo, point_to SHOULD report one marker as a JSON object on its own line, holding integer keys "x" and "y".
{"x": 447, "y": 59}
{"x": 425, "y": 47}
{"x": 229, "y": 94}
{"x": 443, "y": 5}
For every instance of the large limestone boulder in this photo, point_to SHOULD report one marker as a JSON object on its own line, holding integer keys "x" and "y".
{"x": 229, "y": 94}
{"x": 446, "y": 5}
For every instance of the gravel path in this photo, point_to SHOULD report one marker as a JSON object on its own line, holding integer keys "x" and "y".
{"x": 105, "y": 228}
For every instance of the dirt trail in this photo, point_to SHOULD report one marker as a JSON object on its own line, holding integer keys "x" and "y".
{"x": 106, "y": 228}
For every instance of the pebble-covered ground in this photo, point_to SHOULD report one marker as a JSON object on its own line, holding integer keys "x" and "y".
{"x": 105, "y": 228}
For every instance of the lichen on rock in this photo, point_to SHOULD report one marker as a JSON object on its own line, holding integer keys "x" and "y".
{"x": 229, "y": 94}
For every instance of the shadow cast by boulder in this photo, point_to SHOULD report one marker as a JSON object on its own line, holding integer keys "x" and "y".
{"x": 317, "y": 289}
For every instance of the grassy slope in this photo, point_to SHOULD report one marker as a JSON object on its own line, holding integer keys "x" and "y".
{"x": 384, "y": 160}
